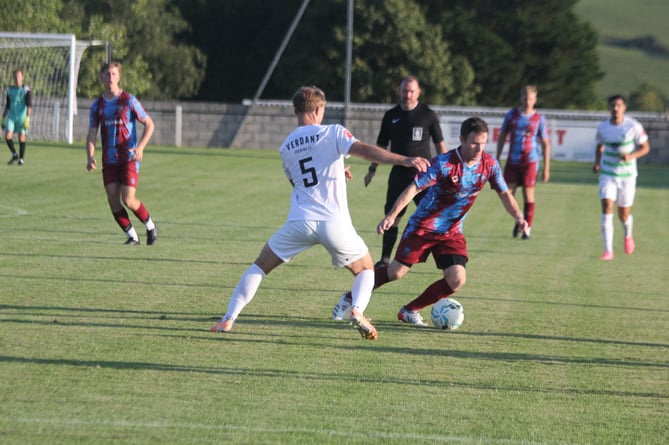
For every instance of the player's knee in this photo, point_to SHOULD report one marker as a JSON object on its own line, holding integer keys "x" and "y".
{"x": 130, "y": 201}
{"x": 456, "y": 283}
{"x": 397, "y": 271}
{"x": 456, "y": 277}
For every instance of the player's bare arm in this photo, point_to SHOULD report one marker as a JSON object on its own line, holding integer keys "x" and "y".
{"x": 500, "y": 144}
{"x": 641, "y": 151}
{"x": 511, "y": 206}
{"x": 546, "y": 152}
{"x": 380, "y": 156}
{"x": 598, "y": 158}
{"x": 402, "y": 201}
{"x": 90, "y": 149}
{"x": 149, "y": 127}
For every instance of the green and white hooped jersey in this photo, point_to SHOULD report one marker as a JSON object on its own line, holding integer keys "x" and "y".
{"x": 618, "y": 140}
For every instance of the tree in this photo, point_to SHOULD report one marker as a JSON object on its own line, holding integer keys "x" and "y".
{"x": 391, "y": 40}
{"x": 648, "y": 97}
{"x": 240, "y": 38}
{"x": 136, "y": 76}
{"x": 463, "y": 51}
{"x": 513, "y": 42}
{"x": 33, "y": 16}
{"x": 145, "y": 35}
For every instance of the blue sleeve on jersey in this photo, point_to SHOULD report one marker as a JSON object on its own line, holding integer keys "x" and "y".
{"x": 93, "y": 116}
{"x": 427, "y": 179}
{"x": 543, "y": 128}
{"x": 137, "y": 108}
{"x": 497, "y": 181}
{"x": 505, "y": 122}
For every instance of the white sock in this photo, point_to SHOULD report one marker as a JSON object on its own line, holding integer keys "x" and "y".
{"x": 607, "y": 231}
{"x": 627, "y": 226}
{"x": 150, "y": 225}
{"x": 245, "y": 291}
{"x": 132, "y": 233}
{"x": 361, "y": 292}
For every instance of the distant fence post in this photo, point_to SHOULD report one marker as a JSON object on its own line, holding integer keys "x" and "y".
{"x": 178, "y": 121}
{"x": 55, "y": 121}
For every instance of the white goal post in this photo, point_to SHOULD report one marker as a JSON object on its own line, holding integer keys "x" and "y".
{"x": 50, "y": 65}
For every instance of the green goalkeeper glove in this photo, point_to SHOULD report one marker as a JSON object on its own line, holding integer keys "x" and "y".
{"x": 26, "y": 123}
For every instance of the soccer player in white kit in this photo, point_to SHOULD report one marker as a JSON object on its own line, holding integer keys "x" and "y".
{"x": 313, "y": 160}
{"x": 621, "y": 140}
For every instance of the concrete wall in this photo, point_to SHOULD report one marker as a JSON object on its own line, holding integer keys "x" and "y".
{"x": 203, "y": 124}
{"x": 265, "y": 124}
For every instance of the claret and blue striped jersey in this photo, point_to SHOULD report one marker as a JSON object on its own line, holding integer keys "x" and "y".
{"x": 453, "y": 188}
{"x": 117, "y": 119}
{"x": 525, "y": 134}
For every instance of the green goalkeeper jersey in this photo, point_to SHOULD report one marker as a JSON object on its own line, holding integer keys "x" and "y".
{"x": 18, "y": 101}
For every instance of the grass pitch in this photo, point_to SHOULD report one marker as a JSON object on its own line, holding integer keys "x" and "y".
{"x": 104, "y": 343}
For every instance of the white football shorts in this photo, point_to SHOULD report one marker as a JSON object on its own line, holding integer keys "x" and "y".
{"x": 619, "y": 190}
{"x": 339, "y": 238}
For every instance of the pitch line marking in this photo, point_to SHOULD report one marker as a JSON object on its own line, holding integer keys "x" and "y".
{"x": 323, "y": 432}
{"x": 8, "y": 212}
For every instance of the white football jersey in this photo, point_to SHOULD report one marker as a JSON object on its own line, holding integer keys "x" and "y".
{"x": 618, "y": 140}
{"x": 313, "y": 160}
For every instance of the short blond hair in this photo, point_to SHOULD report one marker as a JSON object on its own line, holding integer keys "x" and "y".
{"x": 106, "y": 66}
{"x": 308, "y": 99}
{"x": 528, "y": 89}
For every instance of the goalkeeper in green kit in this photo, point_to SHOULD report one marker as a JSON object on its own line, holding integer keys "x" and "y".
{"x": 16, "y": 117}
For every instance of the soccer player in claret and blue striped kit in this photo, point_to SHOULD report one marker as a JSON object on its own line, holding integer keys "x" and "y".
{"x": 453, "y": 181}
{"x": 528, "y": 143}
{"x": 116, "y": 113}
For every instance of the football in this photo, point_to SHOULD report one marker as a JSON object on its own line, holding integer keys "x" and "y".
{"x": 447, "y": 314}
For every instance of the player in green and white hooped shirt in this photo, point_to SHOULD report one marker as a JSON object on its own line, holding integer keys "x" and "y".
{"x": 16, "y": 117}
{"x": 621, "y": 140}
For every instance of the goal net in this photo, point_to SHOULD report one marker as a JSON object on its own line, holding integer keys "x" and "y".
{"x": 50, "y": 65}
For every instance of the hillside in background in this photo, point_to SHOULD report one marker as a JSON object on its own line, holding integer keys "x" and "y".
{"x": 634, "y": 42}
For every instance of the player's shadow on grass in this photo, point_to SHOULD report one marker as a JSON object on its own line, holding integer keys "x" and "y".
{"x": 249, "y": 324}
{"x": 275, "y": 373}
{"x": 63, "y": 315}
{"x": 219, "y": 288}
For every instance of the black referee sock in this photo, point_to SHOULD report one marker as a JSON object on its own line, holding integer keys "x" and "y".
{"x": 389, "y": 238}
{"x": 10, "y": 144}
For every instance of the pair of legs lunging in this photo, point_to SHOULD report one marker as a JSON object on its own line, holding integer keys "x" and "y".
{"x": 285, "y": 241}
{"x": 454, "y": 278}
